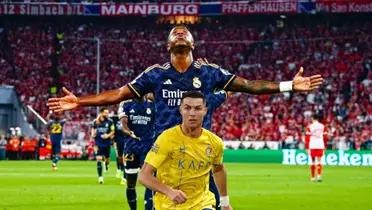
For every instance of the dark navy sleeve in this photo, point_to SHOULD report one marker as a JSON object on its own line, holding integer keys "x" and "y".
{"x": 63, "y": 121}
{"x": 145, "y": 82}
{"x": 218, "y": 98}
{"x": 123, "y": 109}
{"x": 221, "y": 76}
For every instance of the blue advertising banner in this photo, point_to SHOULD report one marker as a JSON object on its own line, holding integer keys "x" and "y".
{"x": 187, "y": 9}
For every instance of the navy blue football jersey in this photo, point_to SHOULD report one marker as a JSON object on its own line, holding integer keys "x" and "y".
{"x": 56, "y": 129}
{"x": 213, "y": 102}
{"x": 168, "y": 85}
{"x": 104, "y": 127}
{"x": 140, "y": 116}
{"x": 119, "y": 134}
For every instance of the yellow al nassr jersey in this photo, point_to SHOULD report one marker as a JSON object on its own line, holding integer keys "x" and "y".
{"x": 184, "y": 163}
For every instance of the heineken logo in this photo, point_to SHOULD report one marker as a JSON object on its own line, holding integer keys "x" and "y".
{"x": 339, "y": 158}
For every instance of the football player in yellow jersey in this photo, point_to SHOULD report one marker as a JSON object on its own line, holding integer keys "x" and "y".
{"x": 182, "y": 158}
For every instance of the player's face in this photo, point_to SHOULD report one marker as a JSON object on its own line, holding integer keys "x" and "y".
{"x": 193, "y": 111}
{"x": 105, "y": 114}
{"x": 180, "y": 37}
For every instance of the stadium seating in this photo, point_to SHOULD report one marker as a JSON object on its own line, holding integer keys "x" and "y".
{"x": 342, "y": 54}
{"x": 30, "y": 52}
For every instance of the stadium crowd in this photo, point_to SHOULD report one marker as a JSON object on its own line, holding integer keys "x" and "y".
{"x": 340, "y": 52}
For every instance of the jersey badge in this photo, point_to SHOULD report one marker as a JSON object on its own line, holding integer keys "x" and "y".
{"x": 196, "y": 82}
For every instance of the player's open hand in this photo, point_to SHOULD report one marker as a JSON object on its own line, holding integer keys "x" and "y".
{"x": 69, "y": 101}
{"x": 177, "y": 196}
{"x": 133, "y": 136}
{"x": 303, "y": 84}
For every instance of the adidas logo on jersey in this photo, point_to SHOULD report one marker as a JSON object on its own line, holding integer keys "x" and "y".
{"x": 131, "y": 111}
{"x": 167, "y": 82}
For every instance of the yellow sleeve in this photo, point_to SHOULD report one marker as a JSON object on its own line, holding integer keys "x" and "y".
{"x": 159, "y": 151}
{"x": 218, "y": 160}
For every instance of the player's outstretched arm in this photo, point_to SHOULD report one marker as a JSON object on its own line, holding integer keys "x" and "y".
{"x": 298, "y": 84}
{"x": 147, "y": 178}
{"x": 70, "y": 101}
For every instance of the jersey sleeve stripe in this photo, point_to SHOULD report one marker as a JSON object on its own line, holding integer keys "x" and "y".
{"x": 226, "y": 95}
{"x": 123, "y": 114}
{"x": 228, "y": 82}
{"x": 134, "y": 90}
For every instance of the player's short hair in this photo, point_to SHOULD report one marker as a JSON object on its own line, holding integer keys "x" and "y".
{"x": 102, "y": 109}
{"x": 179, "y": 26}
{"x": 193, "y": 94}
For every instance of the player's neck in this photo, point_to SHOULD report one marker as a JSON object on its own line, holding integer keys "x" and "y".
{"x": 181, "y": 62}
{"x": 191, "y": 132}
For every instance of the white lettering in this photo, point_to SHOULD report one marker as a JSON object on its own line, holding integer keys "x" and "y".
{"x": 121, "y": 10}
{"x": 172, "y": 93}
{"x": 140, "y": 9}
{"x": 149, "y": 9}
{"x": 107, "y": 10}
{"x": 166, "y": 9}
{"x": 34, "y": 10}
{"x": 41, "y": 10}
{"x": 153, "y": 9}
{"x": 343, "y": 158}
{"x": 355, "y": 159}
{"x": 140, "y": 118}
{"x": 289, "y": 157}
{"x": 353, "y": 7}
{"x": 340, "y": 158}
{"x": 130, "y": 9}
{"x": 301, "y": 159}
{"x": 367, "y": 160}
{"x": 61, "y": 10}
{"x": 336, "y": 7}
{"x": 260, "y": 7}
{"x": 178, "y": 9}
{"x": 332, "y": 159}
{"x": 22, "y": 10}
{"x": 191, "y": 9}
{"x": 11, "y": 9}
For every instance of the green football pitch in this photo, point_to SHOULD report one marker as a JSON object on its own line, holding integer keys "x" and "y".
{"x": 32, "y": 185}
